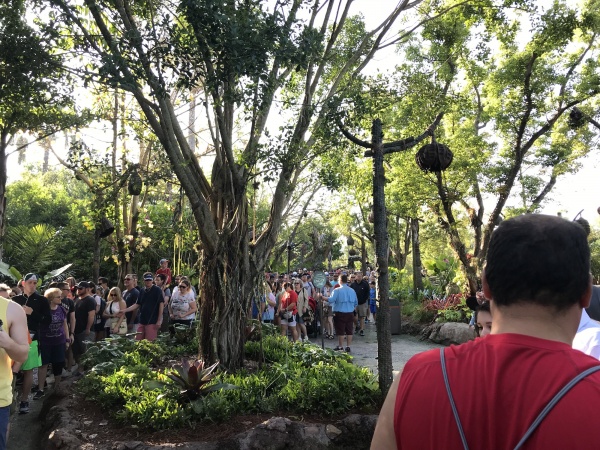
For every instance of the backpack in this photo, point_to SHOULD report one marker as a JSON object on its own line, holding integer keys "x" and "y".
{"x": 99, "y": 318}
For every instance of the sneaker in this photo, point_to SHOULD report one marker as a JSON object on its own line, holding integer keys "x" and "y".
{"x": 347, "y": 349}
{"x": 65, "y": 373}
{"x": 39, "y": 394}
{"x": 306, "y": 339}
{"x": 362, "y": 332}
{"x": 339, "y": 349}
{"x": 24, "y": 408}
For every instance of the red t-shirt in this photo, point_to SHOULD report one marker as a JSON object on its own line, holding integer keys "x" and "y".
{"x": 287, "y": 299}
{"x": 500, "y": 383}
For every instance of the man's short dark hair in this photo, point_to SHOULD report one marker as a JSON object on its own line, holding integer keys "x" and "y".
{"x": 102, "y": 280}
{"x": 343, "y": 278}
{"x": 540, "y": 259}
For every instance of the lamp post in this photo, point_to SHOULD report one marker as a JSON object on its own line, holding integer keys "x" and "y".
{"x": 290, "y": 245}
{"x": 376, "y": 150}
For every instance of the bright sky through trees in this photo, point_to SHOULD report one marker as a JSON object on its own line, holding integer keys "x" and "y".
{"x": 572, "y": 193}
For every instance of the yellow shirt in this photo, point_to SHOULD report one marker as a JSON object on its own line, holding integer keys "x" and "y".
{"x": 5, "y": 361}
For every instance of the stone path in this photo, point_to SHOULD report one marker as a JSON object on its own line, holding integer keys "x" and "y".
{"x": 364, "y": 348}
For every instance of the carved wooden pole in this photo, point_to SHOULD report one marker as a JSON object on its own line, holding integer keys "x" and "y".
{"x": 376, "y": 150}
{"x": 384, "y": 338}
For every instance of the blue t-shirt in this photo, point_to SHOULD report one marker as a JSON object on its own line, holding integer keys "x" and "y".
{"x": 372, "y": 296}
{"x": 343, "y": 299}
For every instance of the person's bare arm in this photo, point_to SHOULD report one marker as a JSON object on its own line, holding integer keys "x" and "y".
{"x": 385, "y": 437}
{"x": 14, "y": 337}
{"x": 72, "y": 321}
{"x": 90, "y": 321}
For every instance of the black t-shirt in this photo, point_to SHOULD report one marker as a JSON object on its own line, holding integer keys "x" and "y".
{"x": 149, "y": 301}
{"x": 41, "y": 313}
{"x": 69, "y": 305}
{"x": 131, "y": 298}
{"x": 82, "y": 308}
{"x": 362, "y": 291}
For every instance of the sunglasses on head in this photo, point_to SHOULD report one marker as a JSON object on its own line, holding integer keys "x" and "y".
{"x": 182, "y": 286}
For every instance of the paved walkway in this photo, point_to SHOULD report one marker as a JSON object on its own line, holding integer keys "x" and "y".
{"x": 364, "y": 348}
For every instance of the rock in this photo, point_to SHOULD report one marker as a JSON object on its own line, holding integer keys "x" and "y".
{"x": 332, "y": 431}
{"x": 88, "y": 422}
{"x": 449, "y": 333}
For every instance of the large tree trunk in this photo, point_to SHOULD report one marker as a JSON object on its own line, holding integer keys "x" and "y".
{"x": 3, "y": 176}
{"x": 227, "y": 283}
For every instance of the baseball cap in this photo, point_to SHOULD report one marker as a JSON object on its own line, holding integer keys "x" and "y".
{"x": 163, "y": 260}
{"x": 30, "y": 276}
{"x": 82, "y": 285}
{"x": 148, "y": 276}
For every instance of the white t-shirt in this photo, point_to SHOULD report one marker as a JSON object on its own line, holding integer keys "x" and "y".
{"x": 180, "y": 304}
{"x": 587, "y": 338}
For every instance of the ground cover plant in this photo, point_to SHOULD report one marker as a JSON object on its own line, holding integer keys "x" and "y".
{"x": 146, "y": 384}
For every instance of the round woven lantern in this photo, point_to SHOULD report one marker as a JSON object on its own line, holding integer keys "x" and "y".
{"x": 134, "y": 185}
{"x": 585, "y": 225}
{"x": 352, "y": 252}
{"x": 350, "y": 241}
{"x": 576, "y": 118}
{"x": 434, "y": 157}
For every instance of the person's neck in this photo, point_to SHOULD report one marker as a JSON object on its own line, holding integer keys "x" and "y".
{"x": 53, "y": 306}
{"x": 536, "y": 321}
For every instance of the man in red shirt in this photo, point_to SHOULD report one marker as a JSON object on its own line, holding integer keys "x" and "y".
{"x": 537, "y": 279}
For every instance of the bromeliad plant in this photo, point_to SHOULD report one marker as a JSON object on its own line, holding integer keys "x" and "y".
{"x": 192, "y": 379}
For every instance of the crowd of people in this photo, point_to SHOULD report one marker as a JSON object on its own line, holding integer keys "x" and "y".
{"x": 50, "y": 331}
{"x": 341, "y": 307}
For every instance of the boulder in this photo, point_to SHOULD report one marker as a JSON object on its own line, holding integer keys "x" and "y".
{"x": 447, "y": 333}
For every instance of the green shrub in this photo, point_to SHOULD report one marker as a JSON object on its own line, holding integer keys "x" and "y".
{"x": 298, "y": 378}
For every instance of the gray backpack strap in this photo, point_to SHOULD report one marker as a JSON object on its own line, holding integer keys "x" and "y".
{"x": 553, "y": 403}
{"x": 451, "y": 398}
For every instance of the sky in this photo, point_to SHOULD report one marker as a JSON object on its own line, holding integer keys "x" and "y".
{"x": 572, "y": 193}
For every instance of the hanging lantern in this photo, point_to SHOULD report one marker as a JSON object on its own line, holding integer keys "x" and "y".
{"x": 134, "y": 185}
{"x": 350, "y": 241}
{"x": 105, "y": 228}
{"x": 352, "y": 252}
{"x": 434, "y": 157}
{"x": 584, "y": 223}
{"x": 576, "y": 118}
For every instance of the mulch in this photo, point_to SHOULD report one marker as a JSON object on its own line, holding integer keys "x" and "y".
{"x": 99, "y": 427}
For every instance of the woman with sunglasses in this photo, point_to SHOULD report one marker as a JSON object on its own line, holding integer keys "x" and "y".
{"x": 115, "y": 304}
{"x": 183, "y": 307}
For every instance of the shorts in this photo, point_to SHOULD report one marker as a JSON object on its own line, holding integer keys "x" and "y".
{"x": 78, "y": 344}
{"x": 289, "y": 322}
{"x": 363, "y": 309}
{"x": 344, "y": 323}
{"x": 148, "y": 332}
{"x": 327, "y": 311}
{"x": 52, "y": 354}
{"x": 300, "y": 320}
{"x": 373, "y": 308}
{"x": 33, "y": 359}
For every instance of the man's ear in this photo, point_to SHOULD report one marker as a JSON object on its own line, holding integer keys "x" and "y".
{"x": 586, "y": 298}
{"x": 487, "y": 293}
